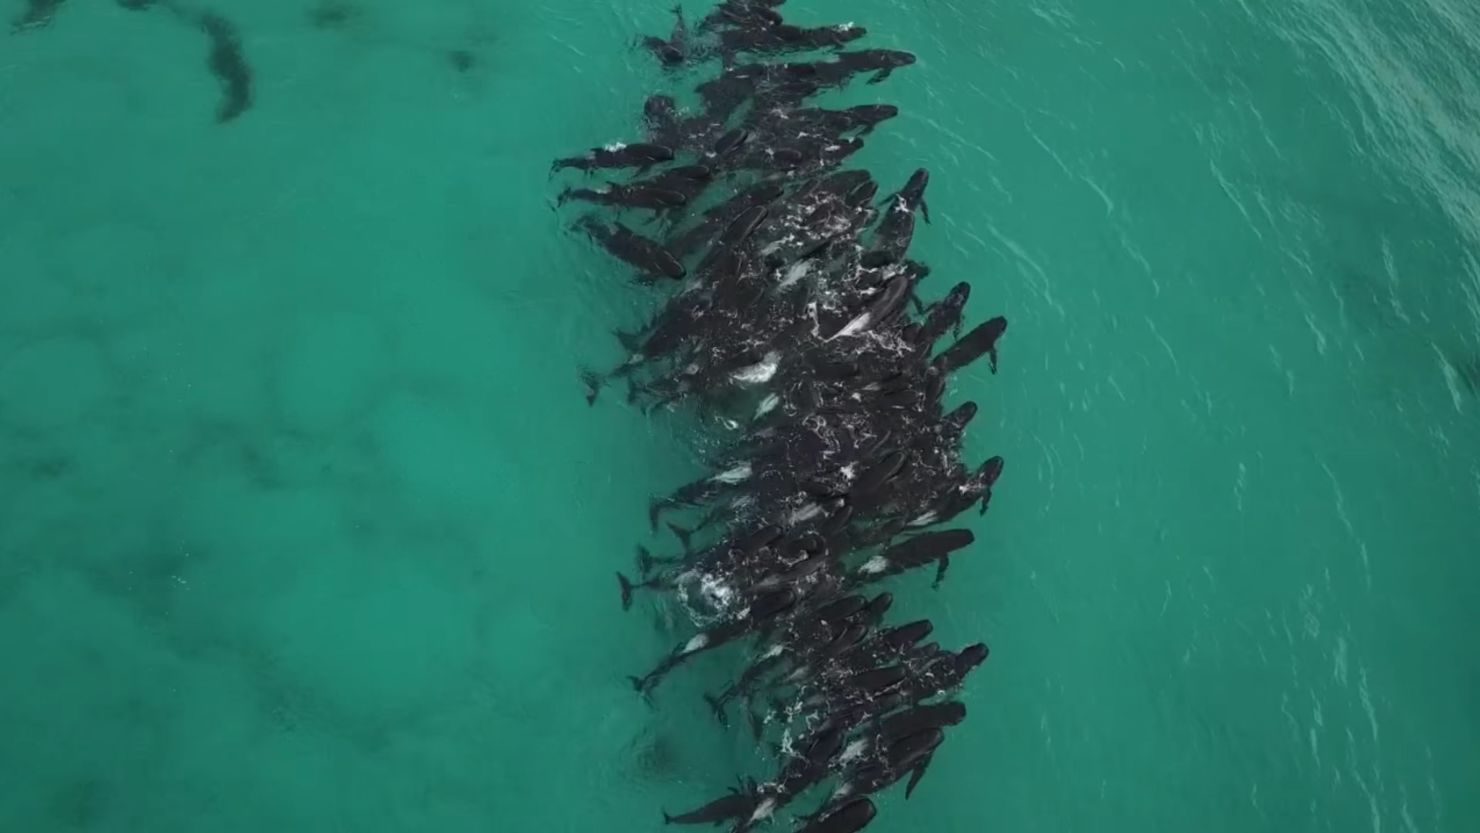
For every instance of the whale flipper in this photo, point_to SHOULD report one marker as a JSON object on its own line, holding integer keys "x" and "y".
{"x": 940, "y": 572}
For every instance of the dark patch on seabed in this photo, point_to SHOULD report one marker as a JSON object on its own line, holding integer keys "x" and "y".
{"x": 334, "y": 14}
{"x": 226, "y": 60}
{"x": 229, "y": 66}
{"x": 461, "y": 60}
{"x": 38, "y": 13}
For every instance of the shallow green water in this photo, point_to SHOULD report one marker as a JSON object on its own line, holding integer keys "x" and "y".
{"x": 304, "y": 524}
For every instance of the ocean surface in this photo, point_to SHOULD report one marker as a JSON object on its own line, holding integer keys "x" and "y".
{"x": 306, "y": 526}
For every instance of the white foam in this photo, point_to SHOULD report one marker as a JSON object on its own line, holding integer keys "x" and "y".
{"x": 763, "y": 811}
{"x": 857, "y": 325}
{"x": 716, "y": 589}
{"x": 695, "y": 644}
{"x": 877, "y": 564}
{"x": 615, "y": 146}
{"x": 806, "y": 513}
{"x": 767, "y": 405}
{"x": 927, "y": 518}
{"x": 734, "y": 475}
{"x": 853, "y": 750}
{"x": 785, "y": 747}
{"x": 760, "y": 372}
{"x": 797, "y": 271}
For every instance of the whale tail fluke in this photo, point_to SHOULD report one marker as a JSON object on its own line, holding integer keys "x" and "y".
{"x": 628, "y": 340}
{"x": 592, "y": 382}
{"x": 626, "y": 591}
{"x": 717, "y": 705}
{"x": 684, "y": 536}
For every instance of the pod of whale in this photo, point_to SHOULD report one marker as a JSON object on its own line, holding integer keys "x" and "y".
{"x": 796, "y": 323}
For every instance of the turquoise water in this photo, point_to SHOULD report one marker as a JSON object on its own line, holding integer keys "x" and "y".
{"x": 304, "y": 524}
